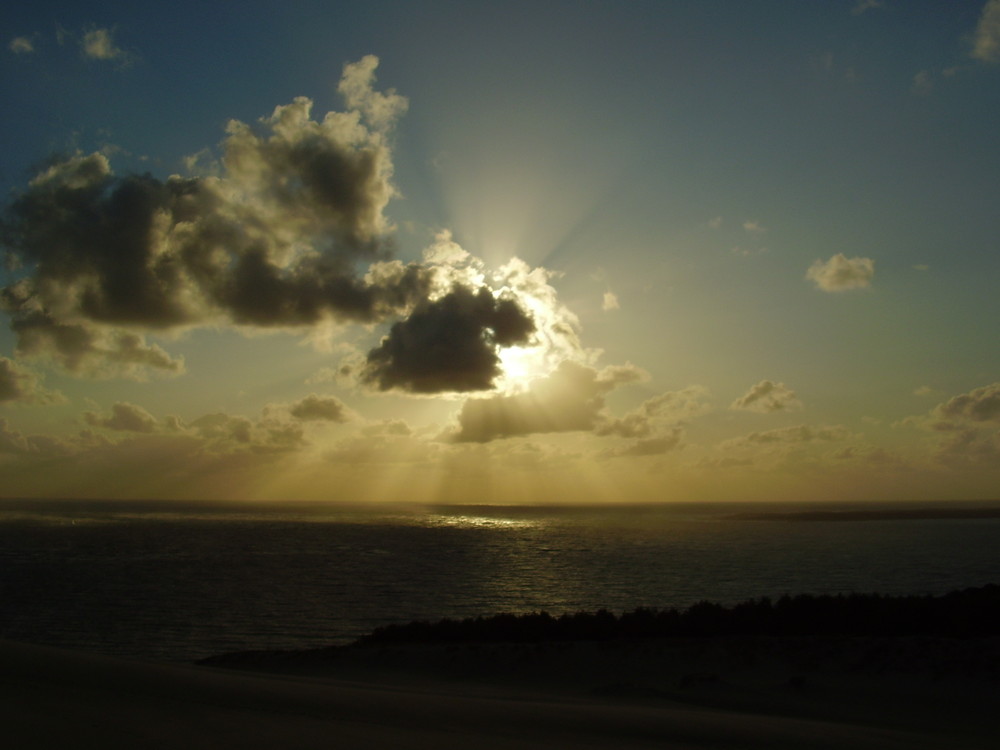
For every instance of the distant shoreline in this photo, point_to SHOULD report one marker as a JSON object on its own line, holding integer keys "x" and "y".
{"x": 900, "y": 514}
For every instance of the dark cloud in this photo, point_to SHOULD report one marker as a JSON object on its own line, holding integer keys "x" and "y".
{"x": 448, "y": 344}
{"x": 570, "y": 399}
{"x": 276, "y": 239}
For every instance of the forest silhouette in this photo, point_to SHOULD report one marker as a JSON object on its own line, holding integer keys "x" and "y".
{"x": 968, "y": 613}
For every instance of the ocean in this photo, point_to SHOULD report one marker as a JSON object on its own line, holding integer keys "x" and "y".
{"x": 181, "y": 581}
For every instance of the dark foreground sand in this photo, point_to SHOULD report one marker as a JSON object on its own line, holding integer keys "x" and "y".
{"x": 632, "y": 695}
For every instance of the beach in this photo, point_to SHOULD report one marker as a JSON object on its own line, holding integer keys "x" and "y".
{"x": 727, "y": 694}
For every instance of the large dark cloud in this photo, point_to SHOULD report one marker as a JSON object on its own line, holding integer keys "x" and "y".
{"x": 275, "y": 238}
{"x": 448, "y": 344}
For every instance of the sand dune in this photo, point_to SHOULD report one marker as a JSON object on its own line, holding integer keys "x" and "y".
{"x": 51, "y": 698}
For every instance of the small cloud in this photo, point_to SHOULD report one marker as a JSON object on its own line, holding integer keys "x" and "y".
{"x": 766, "y": 397}
{"x": 747, "y": 252}
{"x": 799, "y": 434}
{"x": 652, "y": 414}
{"x": 315, "y": 408}
{"x": 610, "y": 302}
{"x": 715, "y": 223}
{"x": 924, "y": 390}
{"x": 21, "y": 45}
{"x": 99, "y": 44}
{"x": 863, "y": 6}
{"x": 923, "y": 84}
{"x": 654, "y": 446}
{"x": 921, "y": 267}
{"x": 754, "y": 227}
{"x": 841, "y": 273}
{"x": 124, "y": 417}
{"x": 986, "y": 39}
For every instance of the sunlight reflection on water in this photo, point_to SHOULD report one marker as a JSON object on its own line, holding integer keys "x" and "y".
{"x": 168, "y": 582}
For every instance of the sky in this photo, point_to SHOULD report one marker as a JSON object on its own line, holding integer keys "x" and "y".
{"x": 501, "y": 252}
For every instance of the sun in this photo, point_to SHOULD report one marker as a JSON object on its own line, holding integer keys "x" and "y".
{"x": 520, "y": 365}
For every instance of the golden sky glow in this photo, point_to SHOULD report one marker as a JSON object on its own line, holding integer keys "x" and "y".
{"x": 614, "y": 265}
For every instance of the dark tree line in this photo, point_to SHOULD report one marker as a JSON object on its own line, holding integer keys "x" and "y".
{"x": 967, "y": 613}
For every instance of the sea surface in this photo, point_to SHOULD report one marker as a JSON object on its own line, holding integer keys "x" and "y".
{"x": 181, "y": 581}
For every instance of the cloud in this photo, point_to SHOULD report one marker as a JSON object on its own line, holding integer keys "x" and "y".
{"x": 862, "y": 6}
{"x": 766, "y": 397}
{"x": 388, "y": 427}
{"x": 274, "y": 240}
{"x": 227, "y": 434}
{"x": 841, "y": 273}
{"x": 98, "y": 44}
{"x": 654, "y": 446}
{"x": 357, "y": 87}
{"x": 320, "y": 408}
{"x": 923, "y": 83}
{"x": 753, "y": 227}
{"x": 968, "y": 426}
{"x": 124, "y": 417}
{"x": 715, "y": 223}
{"x": 448, "y": 344}
{"x": 798, "y": 434}
{"x": 17, "y": 443}
{"x": 610, "y": 302}
{"x": 570, "y": 399}
{"x": 21, "y": 45}
{"x": 18, "y": 384}
{"x": 978, "y": 405}
{"x": 666, "y": 408}
{"x": 986, "y": 39}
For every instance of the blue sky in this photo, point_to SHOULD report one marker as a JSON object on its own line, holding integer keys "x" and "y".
{"x": 757, "y": 246}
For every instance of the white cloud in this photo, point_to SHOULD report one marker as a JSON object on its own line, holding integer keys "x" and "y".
{"x": 766, "y": 397}
{"x": 841, "y": 273}
{"x": 986, "y": 40}
{"x": 754, "y": 227}
{"x": 610, "y": 302}
{"x": 715, "y": 223}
